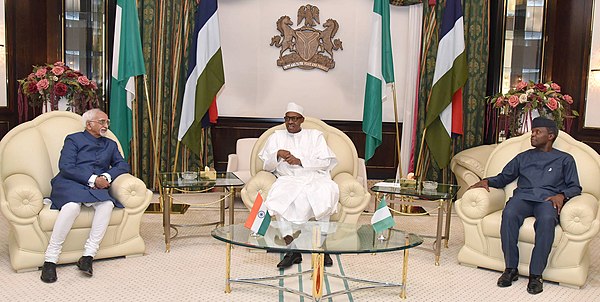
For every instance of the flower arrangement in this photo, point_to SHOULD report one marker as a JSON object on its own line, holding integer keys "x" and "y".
{"x": 46, "y": 84}
{"x": 529, "y": 100}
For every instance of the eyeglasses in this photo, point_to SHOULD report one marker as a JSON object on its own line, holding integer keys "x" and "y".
{"x": 292, "y": 119}
{"x": 102, "y": 122}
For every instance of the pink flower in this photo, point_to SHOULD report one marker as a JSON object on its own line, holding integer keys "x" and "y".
{"x": 513, "y": 101}
{"x": 40, "y": 72}
{"x": 521, "y": 85}
{"x": 83, "y": 80}
{"x": 568, "y": 99}
{"x": 555, "y": 87}
{"x": 59, "y": 63}
{"x": 31, "y": 76}
{"x": 42, "y": 84}
{"x": 552, "y": 104}
{"x": 57, "y": 70}
{"x": 499, "y": 101}
{"x": 93, "y": 85}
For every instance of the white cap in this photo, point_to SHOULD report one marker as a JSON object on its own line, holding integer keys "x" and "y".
{"x": 293, "y": 107}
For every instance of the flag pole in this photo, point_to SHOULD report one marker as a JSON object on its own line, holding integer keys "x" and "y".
{"x": 156, "y": 171}
{"x": 397, "y": 131}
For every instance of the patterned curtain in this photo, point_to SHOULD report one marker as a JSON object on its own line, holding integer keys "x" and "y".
{"x": 167, "y": 30}
{"x": 476, "y": 21}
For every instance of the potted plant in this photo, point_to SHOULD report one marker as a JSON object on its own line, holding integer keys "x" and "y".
{"x": 529, "y": 100}
{"x": 47, "y": 84}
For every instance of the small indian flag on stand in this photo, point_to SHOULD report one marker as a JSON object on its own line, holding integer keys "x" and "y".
{"x": 259, "y": 219}
{"x": 382, "y": 218}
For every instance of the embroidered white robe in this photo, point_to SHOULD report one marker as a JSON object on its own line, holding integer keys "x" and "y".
{"x": 300, "y": 192}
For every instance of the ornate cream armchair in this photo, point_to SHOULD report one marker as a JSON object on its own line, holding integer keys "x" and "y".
{"x": 481, "y": 212}
{"x": 353, "y": 196}
{"x": 29, "y": 156}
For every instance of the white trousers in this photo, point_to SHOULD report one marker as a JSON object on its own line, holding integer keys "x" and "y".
{"x": 66, "y": 217}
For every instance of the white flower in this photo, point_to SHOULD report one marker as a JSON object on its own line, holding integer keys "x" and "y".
{"x": 523, "y": 98}
{"x": 529, "y": 91}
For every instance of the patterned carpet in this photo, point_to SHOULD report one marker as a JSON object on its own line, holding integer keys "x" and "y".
{"x": 194, "y": 271}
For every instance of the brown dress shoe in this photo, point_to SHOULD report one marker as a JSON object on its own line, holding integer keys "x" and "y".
{"x": 49, "y": 272}
{"x": 507, "y": 278}
{"x": 328, "y": 262}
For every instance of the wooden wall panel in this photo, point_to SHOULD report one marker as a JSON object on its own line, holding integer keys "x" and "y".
{"x": 568, "y": 43}
{"x": 33, "y": 32}
{"x": 230, "y": 129}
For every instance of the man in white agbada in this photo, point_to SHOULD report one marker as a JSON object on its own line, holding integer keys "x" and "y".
{"x": 302, "y": 161}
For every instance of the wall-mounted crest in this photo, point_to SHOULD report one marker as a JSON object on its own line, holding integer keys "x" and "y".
{"x": 306, "y": 47}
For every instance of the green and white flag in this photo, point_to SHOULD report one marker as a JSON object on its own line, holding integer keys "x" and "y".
{"x": 382, "y": 218}
{"x": 379, "y": 72}
{"x": 128, "y": 62}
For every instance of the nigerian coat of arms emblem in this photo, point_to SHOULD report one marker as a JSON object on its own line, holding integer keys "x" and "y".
{"x": 306, "y": 47}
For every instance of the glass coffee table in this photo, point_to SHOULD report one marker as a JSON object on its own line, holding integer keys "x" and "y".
{"x": 415, "y": 195}
{"x": 318, "y": 238}
{"x": 172, "y": 182}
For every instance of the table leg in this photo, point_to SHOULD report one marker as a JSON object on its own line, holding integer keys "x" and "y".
{"x": 228, "y": 268}
{"x": 167, "y": 201}
{"x": 438, "y": 233}
{"x": 448, "y": 216}
{"x": 317, "y": 277}
{"x": 404, "y": 274}
{"x": 231, "y": 207}
{"x": 222, "y": 211}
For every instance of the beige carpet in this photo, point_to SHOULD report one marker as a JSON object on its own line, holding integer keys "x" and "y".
{"x": 194, "y": 271}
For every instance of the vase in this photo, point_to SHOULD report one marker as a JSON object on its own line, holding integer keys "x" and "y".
{"x": 525, "y": 120}
{"x": 62, "y": 105}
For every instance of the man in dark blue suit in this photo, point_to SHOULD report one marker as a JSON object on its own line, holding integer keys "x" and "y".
{"x": 547, "y": 178}
{"x": 88, "y": 163}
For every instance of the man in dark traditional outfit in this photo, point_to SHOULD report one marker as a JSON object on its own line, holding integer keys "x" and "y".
{"x": 547, "y": 179}
{"x": 88, "y": 163}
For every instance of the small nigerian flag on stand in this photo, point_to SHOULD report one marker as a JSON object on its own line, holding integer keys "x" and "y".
{"x": 382, "y": 218}
{"x": 259, "y": 219}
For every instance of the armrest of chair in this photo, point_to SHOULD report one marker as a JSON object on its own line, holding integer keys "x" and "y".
{"x": 578, "y": 217}
{"x": 130, "y": 191}
{"x": 352, "y": 193}
{"x": 261, "y": 182}
{"x": 232, "y": 163}
{"x": 23, "y": 199}
{"x": 478, "y": 203}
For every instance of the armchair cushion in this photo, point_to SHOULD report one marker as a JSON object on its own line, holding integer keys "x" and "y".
{"x": 481, "y": 214}
{"x": 354, "y": 197}
{"x": 29, "y": 156}
{"x": 469, "y": 166}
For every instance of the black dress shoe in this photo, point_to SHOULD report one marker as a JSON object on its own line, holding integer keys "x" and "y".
{"x": 290, "y": 259}
{"x": 535, "y": 285}
{"x": 507, "y": 278}
{"x": 85, "y": 264}
{"x": 328, "y": 261}
{"x": 49, "y": 272}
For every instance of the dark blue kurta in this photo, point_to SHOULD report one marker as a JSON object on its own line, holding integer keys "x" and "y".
{"x": 82, "y": 156}
{"x": 541, "y": 175}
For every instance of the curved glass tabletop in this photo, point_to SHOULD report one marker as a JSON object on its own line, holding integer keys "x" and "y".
{"x": 177, "y": 180}
{"x": 442, "y": 191}
{"x": 320, "y": 237}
